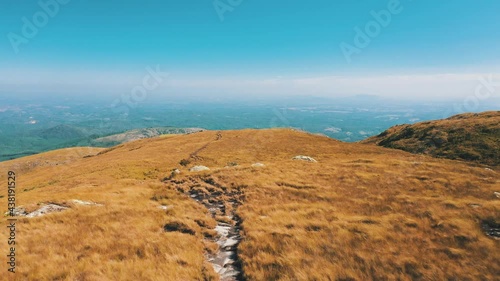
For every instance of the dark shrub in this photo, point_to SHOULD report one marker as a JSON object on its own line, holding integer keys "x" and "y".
{"x": 179, "y": 227}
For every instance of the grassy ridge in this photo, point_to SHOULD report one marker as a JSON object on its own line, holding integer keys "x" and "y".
{"x": 362, "y": 212}
{"x": 470, "y": 137}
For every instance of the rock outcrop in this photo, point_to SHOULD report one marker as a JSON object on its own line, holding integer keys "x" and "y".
{"x": 47, "y": 209}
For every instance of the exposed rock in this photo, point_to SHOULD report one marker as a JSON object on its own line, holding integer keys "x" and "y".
{"x": 85, "y": 203}
{"x": 225, "y": 261}
{"x": 17, "y": 212}
{"x": 174, "y": 173}
{"x": 491, "y": 228}
{"x": 47, "y": 209}
{"x": 258, "y": 165}
{"x": 222, "y": 230}
{"x": 163, "y": 207}
{"x": 304, "y": 158}
{"x": 228, "y": 274}
{"x": 230, "y": 243}
{"x": 199, "y": 169}
{"x": 497, "y": 194}
{"x": 217, "y": 268}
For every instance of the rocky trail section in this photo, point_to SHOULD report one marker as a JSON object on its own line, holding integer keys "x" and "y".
{"x": 222, "y": 203}
{"x": 48, "y": 208}
{"x": 225, "y": 261}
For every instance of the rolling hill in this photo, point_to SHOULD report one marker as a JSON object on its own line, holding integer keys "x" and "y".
{"x": 64, "y": 136}
{"x": 470, "y": 137}
{"x": 62, "y": 132}
{"x": 138, "y": 134}
{"x": 252, "y": 205}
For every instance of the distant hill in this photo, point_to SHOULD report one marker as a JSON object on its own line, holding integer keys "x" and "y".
{"x": 470, "y": 137}
{"x": 138, "y": 134}
{"x": 64, "y": 136}
{"x": 62, "y": 132}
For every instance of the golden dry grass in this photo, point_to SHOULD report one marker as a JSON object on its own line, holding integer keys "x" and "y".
{"x": 471, "y": 137}
{"x": 361, "y": 213}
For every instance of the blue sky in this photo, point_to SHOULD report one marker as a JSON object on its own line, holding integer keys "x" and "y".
{"x": 260, "y": 46}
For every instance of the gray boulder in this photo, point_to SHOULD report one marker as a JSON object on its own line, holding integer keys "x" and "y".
{"x": 47, "y": 209}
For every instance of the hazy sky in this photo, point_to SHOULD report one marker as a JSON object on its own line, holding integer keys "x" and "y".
{"x": 425, "y": 48}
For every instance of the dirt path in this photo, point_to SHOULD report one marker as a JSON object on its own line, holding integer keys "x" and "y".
{"x": 225, "y": 261}
{"x": 194, "y": 154}
{"x": 222, "y": 205}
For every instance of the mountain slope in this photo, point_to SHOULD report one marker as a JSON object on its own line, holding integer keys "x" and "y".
{"x": 470, "y": 137}
{"x": 361, "y": 212}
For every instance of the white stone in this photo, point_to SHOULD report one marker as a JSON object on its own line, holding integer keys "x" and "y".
{"x": 222, "y": 230}
{"x": 304, "y": 158}
{"x": 231, "y": 242}
{"x": 86, "y": 203}
{"x": 47, "y": 209}
{"x": 217, "y": 268}
{"x": 199, "y": 169}
{"x": 228, "y": 261}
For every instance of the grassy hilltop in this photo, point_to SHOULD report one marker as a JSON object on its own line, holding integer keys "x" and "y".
{"x": 470, "y": 137}
{"x": 361, "y": 212}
